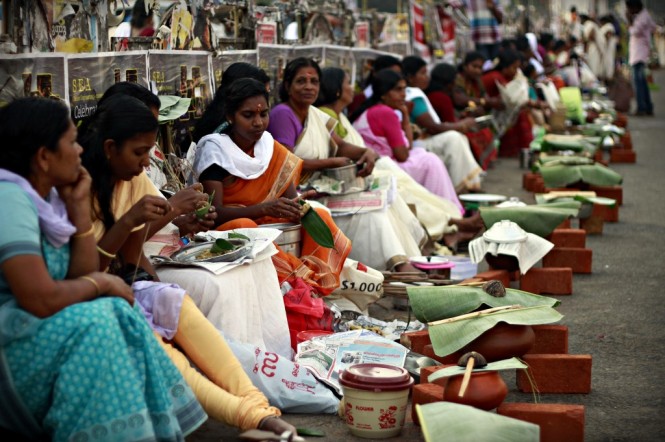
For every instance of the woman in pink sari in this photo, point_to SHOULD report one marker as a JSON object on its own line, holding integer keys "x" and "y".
{"x": 380, "y": 126}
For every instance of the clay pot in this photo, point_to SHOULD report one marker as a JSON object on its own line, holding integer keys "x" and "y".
{"x": 503, "y": 341}
{"x": 486, "y": 390}
{"x": 502, "y": 262}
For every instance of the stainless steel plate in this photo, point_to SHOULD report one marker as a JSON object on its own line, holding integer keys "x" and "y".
{"x": 189, "y": 254}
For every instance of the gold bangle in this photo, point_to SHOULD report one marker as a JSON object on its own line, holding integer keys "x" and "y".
{"x": 105, "y": 253}
{"x": 88, "y": 232}
{"x": 91, "y": 279}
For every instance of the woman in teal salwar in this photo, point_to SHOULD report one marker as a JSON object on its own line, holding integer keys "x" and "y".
{"x": 74, "y": 365}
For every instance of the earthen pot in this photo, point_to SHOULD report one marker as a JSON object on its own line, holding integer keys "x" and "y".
{"x": 486, "y": 390}
{"x": 503, "y": 341}
{"x": 502, "y": 262}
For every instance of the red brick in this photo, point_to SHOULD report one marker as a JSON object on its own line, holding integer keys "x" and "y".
{"x": 592, "y": 225}
{"x": 500, "y": 275}
{"x": 538, "y": 185}
{"x": 446, "y": 360}
{"x": 550, "y": 280}
{"x": 528, "y": 180}
{"x": 557, "y": 422}
{"x": 607, "y": 213}
{"x": 614, "y": 192}
{"x": 415, "y": 341}
{"x": 626, "y": 140}
{"x": 550, "y": 339}
{"x": 556, "y": 373}
{"x": 422, "y": 394}
{"x": 565, "y": 224}
{"x": 568, "y": 238}
{"x": 577, "y": 259}
{"x": 621, "y": 155}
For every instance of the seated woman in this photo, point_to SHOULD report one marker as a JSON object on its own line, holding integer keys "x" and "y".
{"x": 379, "y": 126}
{"x": 395, "y": 233}
{"x": 445, "y": 139}
{"x": 439, "y": 93}
{"x": 253, "y": 178}
{"x": 116, "y": 147}
{"x": 306, "y": 131}
{"x": 265, "y": 324}
{"x": 76, "y": 360}
{"x": 516, "y": 133}
{"x": 469, "y": 92}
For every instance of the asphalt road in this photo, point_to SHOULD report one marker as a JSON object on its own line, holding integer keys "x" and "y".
{"x": 616, "y": 314}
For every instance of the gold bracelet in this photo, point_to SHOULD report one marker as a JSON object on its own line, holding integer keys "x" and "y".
{"x": 91, "y": 279}
{"x": 88, "y": 232}
{"x": 105, "y": 253}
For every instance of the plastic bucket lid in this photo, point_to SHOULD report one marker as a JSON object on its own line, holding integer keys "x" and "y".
{"x": 376, "y": 377}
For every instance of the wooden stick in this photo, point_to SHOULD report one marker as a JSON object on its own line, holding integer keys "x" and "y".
{"x": 472, "y": 283}
{"x": 475, "y": 314}
{"x": 467, "y": 375}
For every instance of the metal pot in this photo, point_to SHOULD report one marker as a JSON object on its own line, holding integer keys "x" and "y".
{"x": 289, "y": 240}
{"x": 347, "y": 175}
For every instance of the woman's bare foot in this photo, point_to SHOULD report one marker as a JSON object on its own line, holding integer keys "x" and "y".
{"x": 474, "y": 223}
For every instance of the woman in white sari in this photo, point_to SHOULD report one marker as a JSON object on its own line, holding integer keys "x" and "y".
{"x": 610, "y": 50}
{"x": 594, "y": 43}
{"x": 381, "y": 239}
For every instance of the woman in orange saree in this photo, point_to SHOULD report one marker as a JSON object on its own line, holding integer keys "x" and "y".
{"x": 254, "y": 179}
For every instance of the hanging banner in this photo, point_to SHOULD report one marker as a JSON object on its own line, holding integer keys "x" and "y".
{"x": 418, "y": 29}
{"x": 273, "y": 59}
{"x": 227, "y": 58}
{"x": 361, "y": 31}
{"x": 266, "y": 33}
{"x": 89, "y": 76}
{"x": 29, "y": 75}
{"x": 447, "y": 34}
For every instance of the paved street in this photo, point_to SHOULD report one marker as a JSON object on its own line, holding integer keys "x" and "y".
{"x": 616, "y": 314}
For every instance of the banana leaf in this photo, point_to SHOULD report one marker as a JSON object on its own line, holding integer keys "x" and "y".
{"x": 317, "y": 228}
{"x": 576, "y": 143}
{"x": 595, "y": 174}
{"x": 455, "y": 370}
{"x": 451, "y": 422}
{"x": 563, "y": 159}
{"x": 539, "y": 220}
{"x": 434, "y": 303}
{"x": 448, "y": 337}
{"x": 172, "y": 107}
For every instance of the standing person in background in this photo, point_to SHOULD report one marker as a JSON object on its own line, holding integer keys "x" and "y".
{"x": 641, "y": 28}
{"x": 141, "y": 24}
{"x": 485, "y": 17}
{"x": 608, "y": 31}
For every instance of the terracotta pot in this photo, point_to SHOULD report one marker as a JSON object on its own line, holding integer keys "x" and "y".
{"x": 503, "y": 341}
{"x": 502, "y": 262}
{"x": 486, "y": 390}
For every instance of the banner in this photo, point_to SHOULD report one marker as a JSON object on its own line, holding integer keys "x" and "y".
{"x": 27, "y": 75}
{"x": 227, "y": 58}
{"x": 273, "y": 59}
{"x": 89, "y": 75}
{"x": 418, "y": 29}
{"x": 361, "y": 32}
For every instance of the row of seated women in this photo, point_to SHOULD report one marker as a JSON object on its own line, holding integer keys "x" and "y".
{"x": 77, "y": 359}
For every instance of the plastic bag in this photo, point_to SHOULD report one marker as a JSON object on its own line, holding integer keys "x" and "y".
{"x": 287, "y": 385}
{"x": 359, "y": 284}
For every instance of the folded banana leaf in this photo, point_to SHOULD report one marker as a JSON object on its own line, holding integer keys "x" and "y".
{"x": 539, "y": 220}
{"x": 594, "y": 174}
{"x": 316, "y": 227}
{"x": 576, "y": 143}
{"x": 455, "y": 370}
{"x": 602, "y": 129}
{"x": 568, "y": 160}
{"x": 451, "y": 422}
{"x": 440, "y": 302}
{"x": 452, "y": 334}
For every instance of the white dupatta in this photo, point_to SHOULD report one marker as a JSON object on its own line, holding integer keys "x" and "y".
{"x": 220, "y": 149}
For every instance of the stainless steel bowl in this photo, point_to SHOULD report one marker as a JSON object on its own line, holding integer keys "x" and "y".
{"x": 348, "y": 176}
{"x": 289, "y": 240}
{"x": 189, "y": 254}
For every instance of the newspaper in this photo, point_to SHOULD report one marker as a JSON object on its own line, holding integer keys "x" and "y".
{"x": 327, "y": 356}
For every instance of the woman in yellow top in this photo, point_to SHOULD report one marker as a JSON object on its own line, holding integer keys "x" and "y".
{"x": 116, "y": 147}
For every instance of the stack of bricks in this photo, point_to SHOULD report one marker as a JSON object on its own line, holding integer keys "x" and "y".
{"x": 623, "y": 152}
{"x": 551, "y": 369}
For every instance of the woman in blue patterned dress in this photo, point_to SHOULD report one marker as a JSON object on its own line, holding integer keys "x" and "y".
{"x": 77, "y": 361}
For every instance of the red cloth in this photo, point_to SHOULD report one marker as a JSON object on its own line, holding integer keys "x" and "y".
{"x": 304, "y": 311}
{"x": 480, "y": 142}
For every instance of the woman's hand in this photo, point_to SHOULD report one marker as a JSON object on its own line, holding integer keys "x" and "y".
{"x": 468, "y": 124}
{"x": 368, "y": 159}
{"x": 282, "y": 208}
{"x": 190, "y": 223}
{"x": 149, "y": 208}
{"x": 187, "y": 199}
{"x": 112, "y": 285}
{"x": 76, "y": 197}
{"x": 339, "y": 162}
{"x": 277, "y": 425}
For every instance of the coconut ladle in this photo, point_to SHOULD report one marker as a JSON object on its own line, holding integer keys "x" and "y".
{"x": 469, "y": 360}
